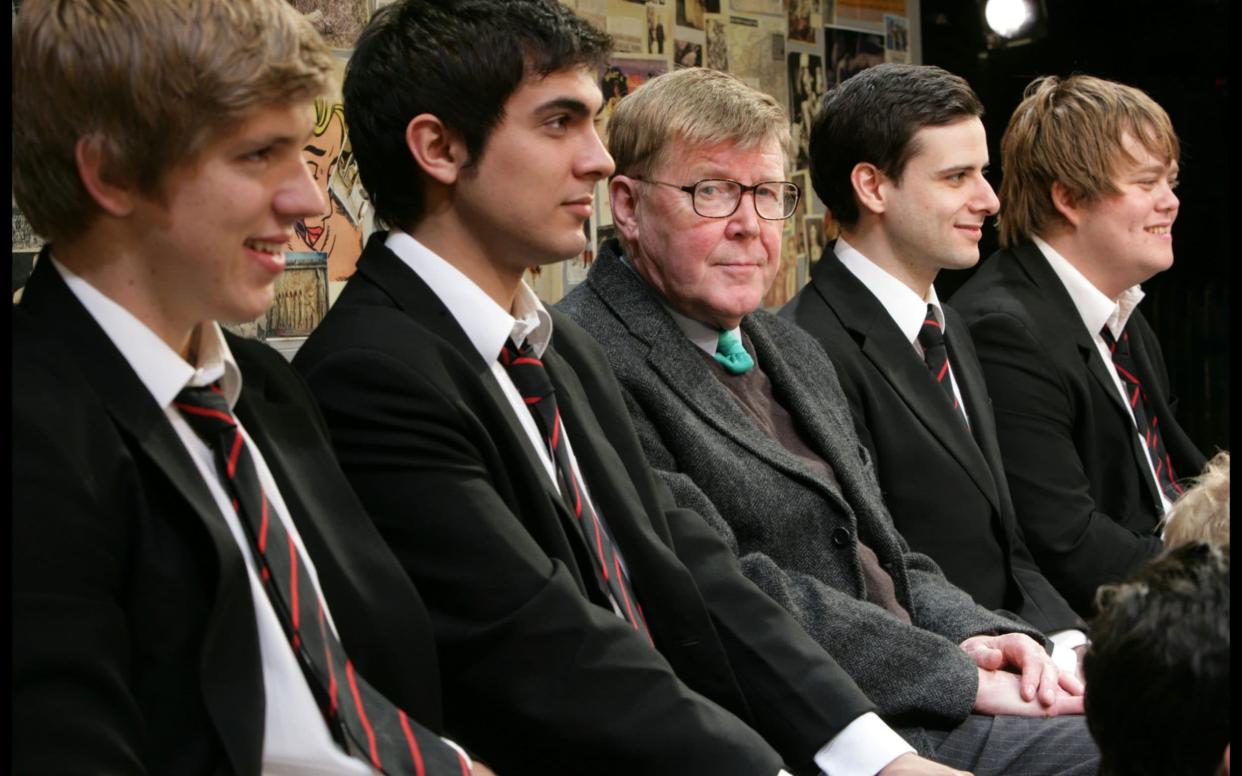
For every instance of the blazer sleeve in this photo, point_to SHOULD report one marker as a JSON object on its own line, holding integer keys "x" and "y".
{"x": 1077, "y": 546}
{"x": 74, "y": 709}
{"x": 902, "y": 669}
{"x": 536, "y": 678}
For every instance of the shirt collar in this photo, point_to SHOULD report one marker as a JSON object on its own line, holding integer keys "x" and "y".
{"x": 907, "y": 309}
{"x": 705, "y": 338}
{"x": 487, "y": 324}
{"x": 1093, "y": 305}
{"x": 160, "y": 368}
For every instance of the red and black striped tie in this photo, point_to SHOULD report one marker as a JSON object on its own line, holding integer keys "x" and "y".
{"x": 532, "y": 381}
{"x": 931, "y": 337}
{"x": 363, "y": 722}
{"x": 1146, "y": 421}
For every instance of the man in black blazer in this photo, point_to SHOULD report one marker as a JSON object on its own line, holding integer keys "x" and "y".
{"x": 144, "y": 637}
{"x": 897, "y": 156}
{"x": 1091, "y": 447}
{"x": 585, "y": 623}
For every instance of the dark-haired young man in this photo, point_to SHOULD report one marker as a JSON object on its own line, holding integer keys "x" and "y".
{"x": 897, "y": 156}
{"x": 587, "y": 624}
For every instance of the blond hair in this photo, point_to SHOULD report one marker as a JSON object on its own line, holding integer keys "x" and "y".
{"x": 1070, "y": 131}
{"x": 152, "y": 80}
{"x": 696, "y": 106}
{"x": 1202, "y": 512}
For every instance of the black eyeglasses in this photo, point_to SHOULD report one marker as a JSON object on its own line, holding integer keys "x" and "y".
{"x": 719, "y": 197}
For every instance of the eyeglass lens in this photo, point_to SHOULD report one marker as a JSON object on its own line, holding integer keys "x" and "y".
{"x": 774, "y": 200}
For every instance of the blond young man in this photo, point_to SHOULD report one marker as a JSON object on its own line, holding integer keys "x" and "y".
{"x": 742, "y": 416}
{"x": 1091, "y": 447}
{"x": 181, "y": 593}
{"x": 1201, "y": 513}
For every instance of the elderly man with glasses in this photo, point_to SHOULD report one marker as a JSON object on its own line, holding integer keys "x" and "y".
{"x": 741, "y": 413}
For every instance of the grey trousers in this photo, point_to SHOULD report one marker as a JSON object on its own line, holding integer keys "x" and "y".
{"x": 1014, "y": 746}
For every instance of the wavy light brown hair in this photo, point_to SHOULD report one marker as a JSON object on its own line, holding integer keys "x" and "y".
{"x": 152, "y": 80}
{"x": 1070, "y": 130}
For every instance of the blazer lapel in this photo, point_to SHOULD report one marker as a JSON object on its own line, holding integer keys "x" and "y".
{"x": 882, "y": 343}
{"x": 680, "y": 365}
{"x": 236, "y": 707}
{"x": 1032, "y": 261}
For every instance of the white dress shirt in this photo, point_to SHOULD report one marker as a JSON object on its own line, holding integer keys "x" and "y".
{"x": 296, "y": 740}
{"x": 1098, "y": 311}
{"x": 908, "y": 310}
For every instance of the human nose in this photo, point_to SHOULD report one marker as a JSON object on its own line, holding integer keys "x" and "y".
{"x": 986, "y": 201}
{"x": 595, "y": 161}
{"x": 300, "y": 196}
{"x": 1169, "y": 201}
{"x": 744, "y": 220}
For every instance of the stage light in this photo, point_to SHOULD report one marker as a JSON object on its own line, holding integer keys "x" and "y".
{"x": 1013, "y": 22}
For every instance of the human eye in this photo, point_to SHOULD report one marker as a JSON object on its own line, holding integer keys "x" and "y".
{"x": 261, "y": 154}
{"x": 768, "y": 191}
{"x": 558, "y": 123}
{"x": 710, "y": 189}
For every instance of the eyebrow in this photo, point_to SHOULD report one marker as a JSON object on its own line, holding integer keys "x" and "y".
{"x": 574, "y": 106}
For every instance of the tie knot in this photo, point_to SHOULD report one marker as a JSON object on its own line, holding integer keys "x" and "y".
{"x": 526, "y": 371}
{"x": 731, "y": 354}
{"x": 205, "y": 409}
{"x": 931, "y": 334}
{"x": 1114, "y": 344}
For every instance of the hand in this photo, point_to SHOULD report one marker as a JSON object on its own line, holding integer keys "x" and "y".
{"x": 911, "y": 764}
{"x": 1016, "y": 651}
{"x": 998, "y": 694}
{"x": 1081, "y": 652}
{"x": 480, "y": 769}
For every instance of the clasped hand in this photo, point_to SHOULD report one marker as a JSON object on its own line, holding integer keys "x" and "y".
{"x": 1017, "y": 677}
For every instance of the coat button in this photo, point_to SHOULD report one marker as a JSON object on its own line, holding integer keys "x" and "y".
{"x": 841, "y": 537}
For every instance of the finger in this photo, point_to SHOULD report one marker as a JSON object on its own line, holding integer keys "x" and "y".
{"x": 1067, "y": 704}
{"x": 1072, "y": 683}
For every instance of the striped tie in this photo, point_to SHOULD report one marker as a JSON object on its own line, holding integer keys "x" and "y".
{"x": 363, "y": 722}
{"x": 931, "y": 337}
{"x": 1146, "y": 421}
{"x": 532, "y": 381}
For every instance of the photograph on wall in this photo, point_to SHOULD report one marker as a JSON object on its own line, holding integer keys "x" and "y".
{"x": 806, "y": 86}
{"x": 786, "y": 283}
{"x": 658, "y": 26}
{"x": 687, "y": 53}
{"x": 850, "y": 52}
{"x": 627, "y": 24}
{"x": 621, "y": 76}
{"x": 896, "y": 39}
{"x": 690, "y": 13}
{"x": 815, "y": 242}
{"x": 804, "y": 20}
{"x": 770, "y": 7}
{"x": 594, "y": 11}
{"x": 301, "y": 296}
{"x": 757, "y": 53}
{"x": 866, "y": 14}
{"x": 717, "y": 46}
{"x": 340, "y": 22}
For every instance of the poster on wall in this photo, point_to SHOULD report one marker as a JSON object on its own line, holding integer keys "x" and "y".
{"x": 804, "y": 20}
{"x": 757, "y": 53}
{"x": 340, "y": 22}
{"x": 850, "y": 51}
{"x": 627, "y": 24}
{"x": 806, "y": 86}
{"x": 717, "y": 45}
{"x": 896, "y": 39}
{"x": 866, "y": 14}
{"x": 621, "y": 76}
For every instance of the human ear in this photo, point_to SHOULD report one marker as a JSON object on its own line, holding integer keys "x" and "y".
{"x": 111, "y": 192}
{"x": 623, "y": 199}
{"x": 1066, "y": 203}
{"x": 867, "y": 181}
{"x": 438, "y": 150}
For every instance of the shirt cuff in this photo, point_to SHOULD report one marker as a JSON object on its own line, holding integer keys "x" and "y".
{"x": 863, "y": 748}
{"x": 1063, "y": 643}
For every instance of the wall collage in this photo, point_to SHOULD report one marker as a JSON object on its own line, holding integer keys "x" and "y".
{"x": 792, "y": 49}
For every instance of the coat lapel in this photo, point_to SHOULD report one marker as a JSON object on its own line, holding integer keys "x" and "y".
{"x": 231, "y": 677}
{"x": 882, "y": 343}
{"x": 1032, "y": 261}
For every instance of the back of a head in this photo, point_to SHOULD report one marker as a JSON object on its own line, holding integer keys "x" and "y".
{"x": 1157, "y": 670}
{"x": 1202, "y": 512}
{"x": 151, "y": 81}
{"x": 1071, "y": 130}
{"x": 459, "y": 60}
{"x": 697, "y": 107}
{"x": 872, "y": 117}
